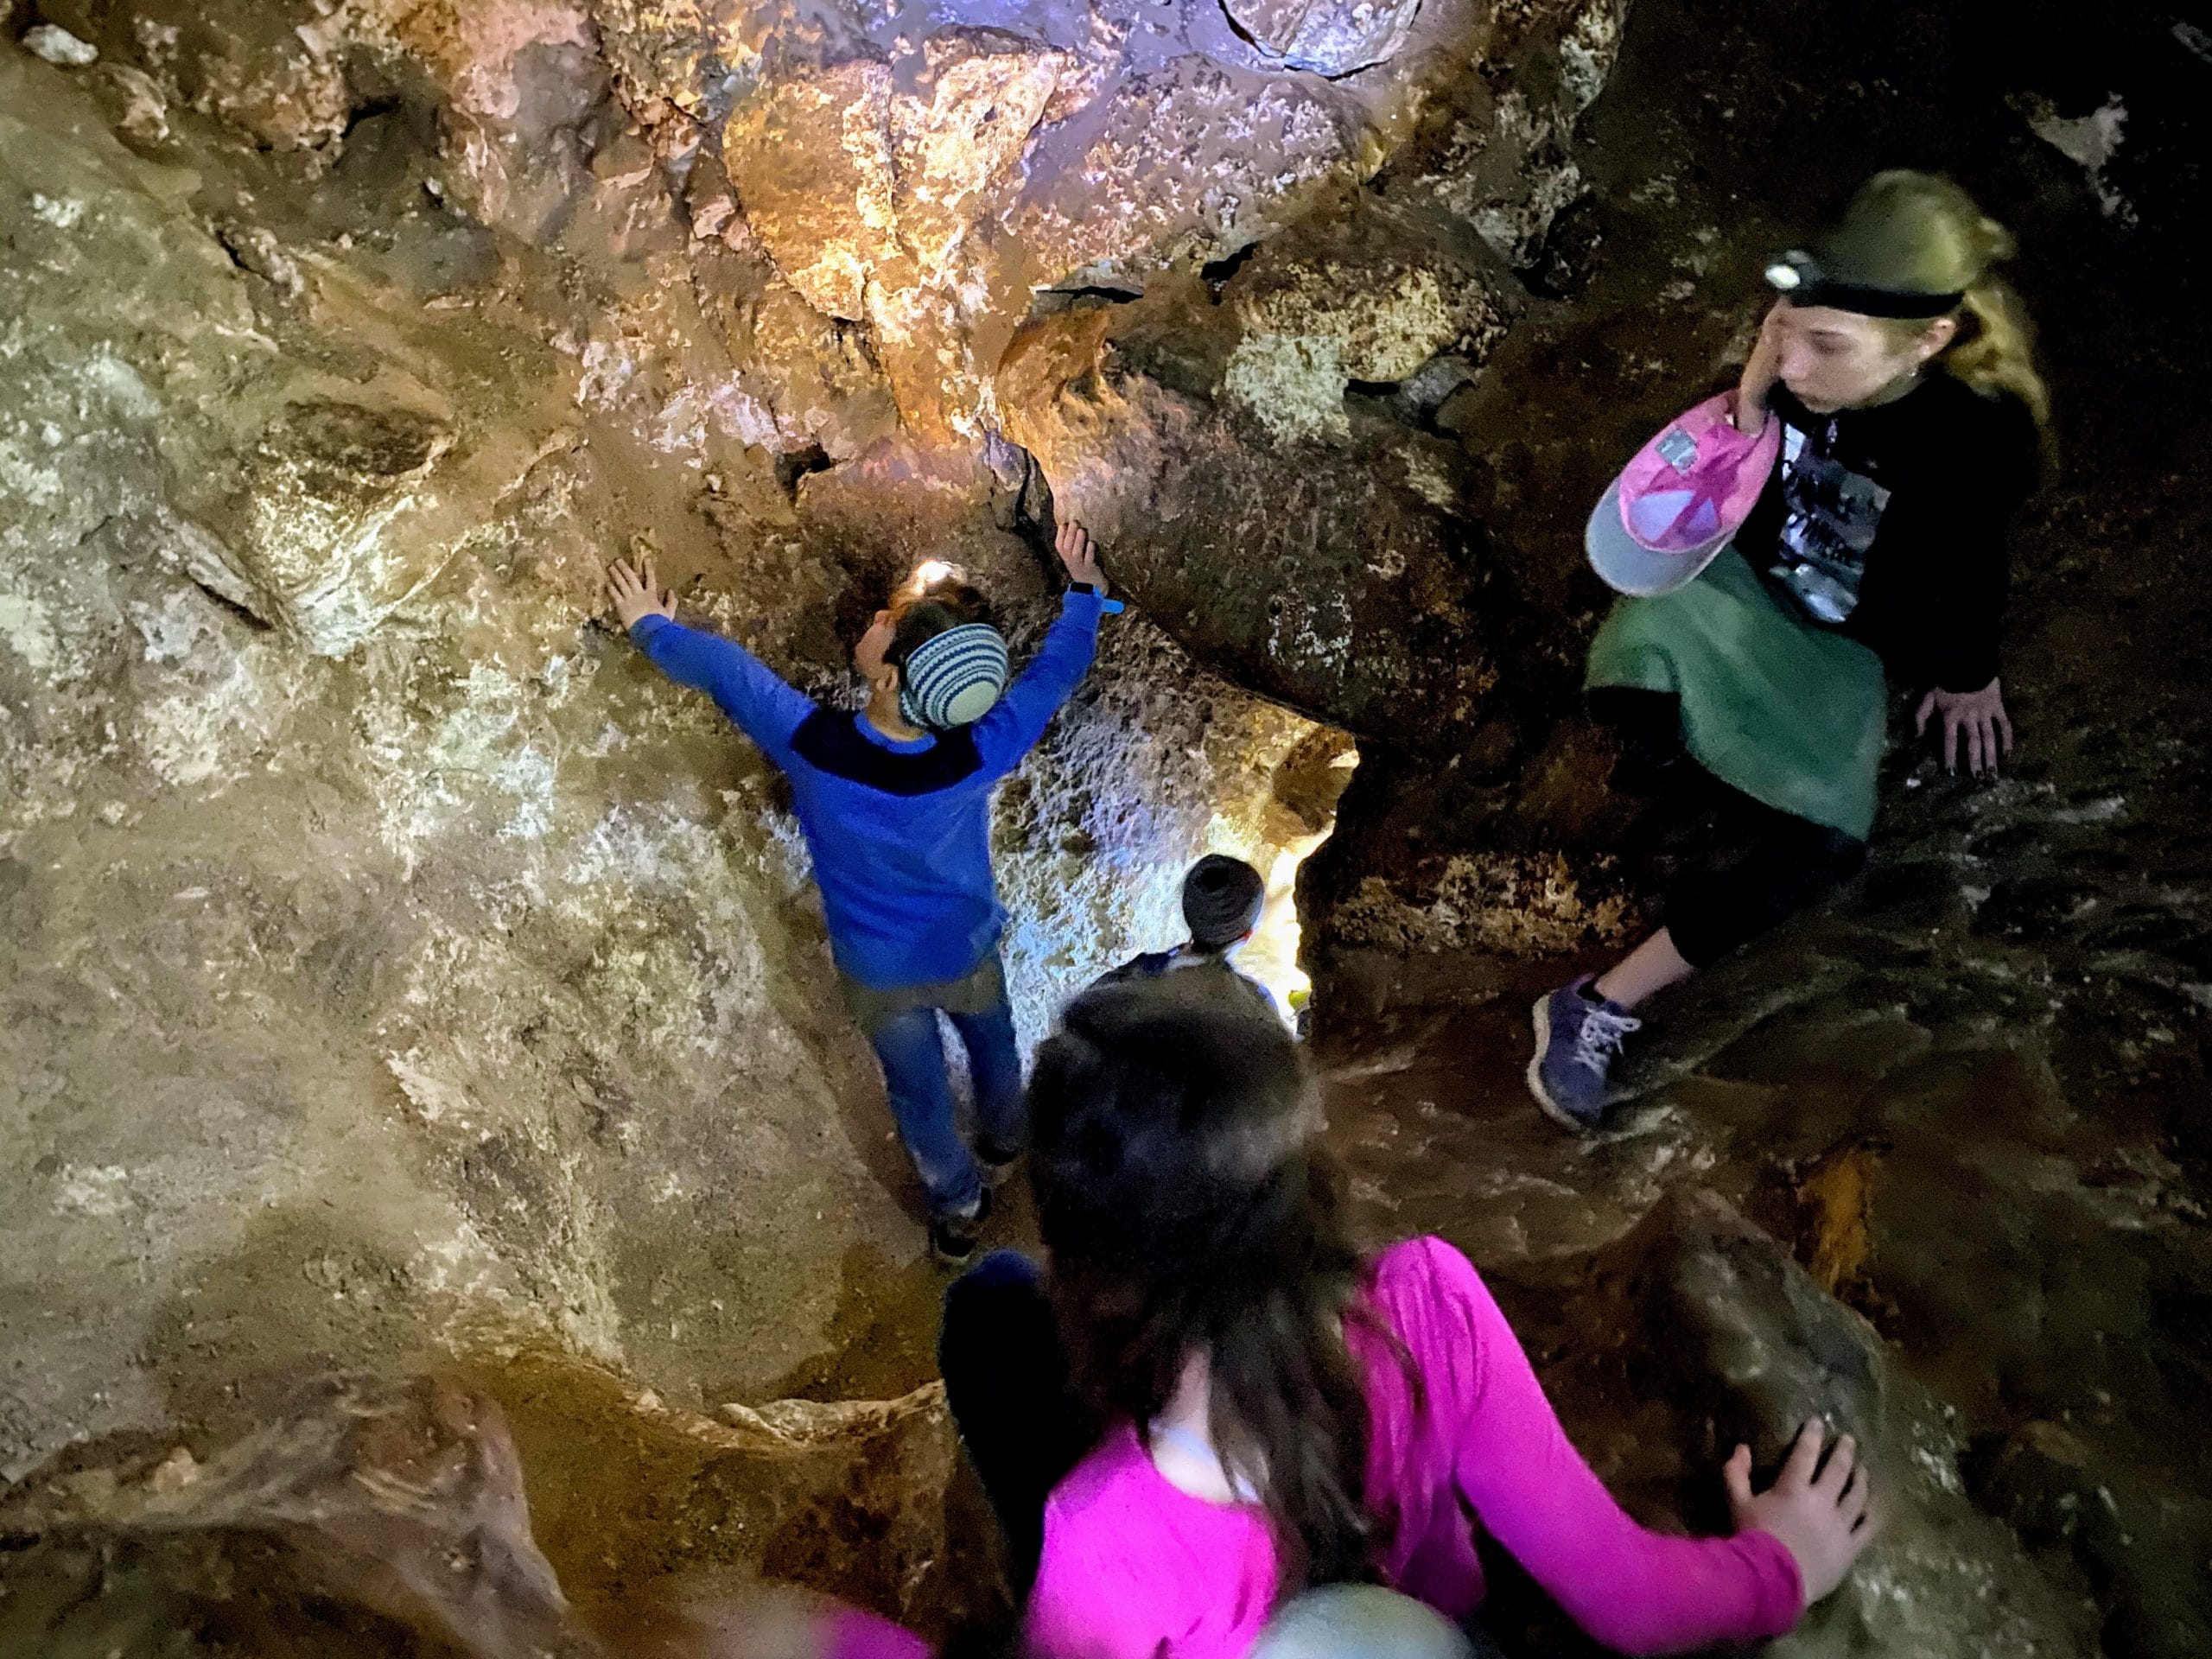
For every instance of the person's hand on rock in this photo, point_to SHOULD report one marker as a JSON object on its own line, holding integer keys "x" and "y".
{"x": 1820, "y": 1515}
{"x": 1979, "y": 715}
{"x": 1080, "y": 555}
{"x": 637, "y": 594}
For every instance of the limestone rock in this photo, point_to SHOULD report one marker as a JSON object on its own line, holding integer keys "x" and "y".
{"x": 1750, "y": 1349}
{"x": 1186, "y": 429}
{"x": 1188, "y": 163}
{"x": 364, "y": 862}
{"x": 867, "y": 191}
{"x": 1372, "y": 634}
{"x": 1330, "y": 37}
{"x": 811, "y": 161}
{"x": 406, "y": 1499}
{"x": 1365, "y": 293}
{"x": 57, "y": 46}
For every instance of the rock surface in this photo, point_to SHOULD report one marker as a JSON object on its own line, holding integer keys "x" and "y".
{"x": 402, "y": 976}
{"x": 1327, "y": 36}
{"x": 398, "y": 968}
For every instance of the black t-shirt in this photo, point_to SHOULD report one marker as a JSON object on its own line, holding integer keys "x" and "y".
{"x": 1889, "y": 523}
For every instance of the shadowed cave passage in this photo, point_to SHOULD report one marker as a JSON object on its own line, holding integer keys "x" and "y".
{"x": 404, "y": 979}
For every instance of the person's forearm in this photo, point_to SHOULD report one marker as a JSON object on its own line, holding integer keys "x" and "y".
{"x": 1751, "y": 412}
{"x": 759, "y": 703}
{"x": 1008, "y": 732}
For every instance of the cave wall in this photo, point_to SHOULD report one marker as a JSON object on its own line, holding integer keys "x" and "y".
{"x": 399, "y": 968}
{"x": 402, "y": 972}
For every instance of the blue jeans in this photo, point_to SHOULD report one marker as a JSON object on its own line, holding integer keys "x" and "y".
{"x": 911, "y": 1047}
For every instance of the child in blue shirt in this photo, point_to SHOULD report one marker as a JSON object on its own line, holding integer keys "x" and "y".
{"x": 894, "y": 803}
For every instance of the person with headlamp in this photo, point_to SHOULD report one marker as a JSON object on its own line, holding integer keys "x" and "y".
{"x": 894, "y": 803}
{"x": 1788, "y": 549}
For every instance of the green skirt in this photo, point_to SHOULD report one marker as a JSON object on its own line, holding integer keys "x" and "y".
{"x": 1791, "y": 714}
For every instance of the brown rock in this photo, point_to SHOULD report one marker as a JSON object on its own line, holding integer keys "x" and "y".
{"x": 405, "y": 1499}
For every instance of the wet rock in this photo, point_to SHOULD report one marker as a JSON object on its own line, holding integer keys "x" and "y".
{"x": 2118, "y": 1532}
{"x": 1330, "y": 37}
{"x": 1746, "y": 1347}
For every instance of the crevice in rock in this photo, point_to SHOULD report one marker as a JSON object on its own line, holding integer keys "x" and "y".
{"x": 794, "y": 466}
{"x": 1218, "y": 273}
{"x": 232, "y": 609}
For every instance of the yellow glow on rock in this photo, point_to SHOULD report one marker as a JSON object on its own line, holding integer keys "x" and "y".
{"x": 1271, "y": 955}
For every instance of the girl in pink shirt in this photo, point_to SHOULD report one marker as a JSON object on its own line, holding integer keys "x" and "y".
{"x": 1263, "y": 1409}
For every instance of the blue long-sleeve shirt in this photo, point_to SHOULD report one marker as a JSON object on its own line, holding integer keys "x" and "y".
{"x": 900, "y": 831}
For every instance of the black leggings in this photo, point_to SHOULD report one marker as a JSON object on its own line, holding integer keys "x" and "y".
{"x": 1005, "y": 1381}
{"x": 1765, "y": 865}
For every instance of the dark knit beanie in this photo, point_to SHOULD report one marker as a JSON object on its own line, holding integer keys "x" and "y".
{"x": 1221, "y": 900}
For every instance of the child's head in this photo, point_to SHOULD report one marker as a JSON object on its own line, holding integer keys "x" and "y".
{"x": 933, "y": 647}
{"x": 1188, "y": 1210}
{"x": 1221, "y": 900}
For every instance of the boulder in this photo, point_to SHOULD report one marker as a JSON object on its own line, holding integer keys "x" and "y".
{"x": 1330, "y": 37}
{"x": 1705, "y": 1313}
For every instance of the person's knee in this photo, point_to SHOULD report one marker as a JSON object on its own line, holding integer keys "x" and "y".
{"x": 1360, "y": 1620}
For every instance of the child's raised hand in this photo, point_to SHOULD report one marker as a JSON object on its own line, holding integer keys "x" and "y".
{"x": 1080, "y": 555}
{"x": 637, "y": 594}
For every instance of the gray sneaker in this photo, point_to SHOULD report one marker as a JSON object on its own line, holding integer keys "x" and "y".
{"x": 1577, "y": 1037}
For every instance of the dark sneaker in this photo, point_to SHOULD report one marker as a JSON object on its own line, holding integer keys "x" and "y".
{"x": 952, "y": 1238}
{"x": 1577, "y": 1037}
{"x": 995, "y": 1165}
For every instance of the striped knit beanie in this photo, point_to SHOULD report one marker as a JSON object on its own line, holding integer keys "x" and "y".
{"x": 953, "y": 679}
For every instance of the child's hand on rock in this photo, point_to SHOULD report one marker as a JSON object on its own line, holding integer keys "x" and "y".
{"x": 1820, "y": 1518}
{"x": 637, "y": 594}
{"x": 1080, "y": 555}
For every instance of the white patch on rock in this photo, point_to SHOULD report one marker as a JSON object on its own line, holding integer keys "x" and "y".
{"x": 2089, "y": 141}
{"x": 27, "y": 630}
{"x": 1587, "y": 52}
{"x": 57, "y": 46}
{"x": 99, "y": 1192}
{"x": 63, "y": 213}
{"x": 1292, "y": 385}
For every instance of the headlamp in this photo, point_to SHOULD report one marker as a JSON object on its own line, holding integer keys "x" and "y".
{"x": 1799, "y": 278}
{"x": 1787, "y": 274}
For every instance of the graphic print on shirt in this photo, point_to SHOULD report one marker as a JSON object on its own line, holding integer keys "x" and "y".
{"x": 1830, "y": 514}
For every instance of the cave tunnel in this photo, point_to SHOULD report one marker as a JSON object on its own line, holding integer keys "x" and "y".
{"x": 448, "y": 1206}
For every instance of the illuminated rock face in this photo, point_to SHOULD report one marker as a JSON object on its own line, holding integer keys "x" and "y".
{"x": 1329, "y": 37}
{"x": 397, "y": 967}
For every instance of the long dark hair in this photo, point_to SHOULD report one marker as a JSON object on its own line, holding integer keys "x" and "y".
{"x": 1187, "y": 1208}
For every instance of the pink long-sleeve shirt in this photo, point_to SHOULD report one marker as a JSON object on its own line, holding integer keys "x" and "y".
{"x": 1136, "y": 1568}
